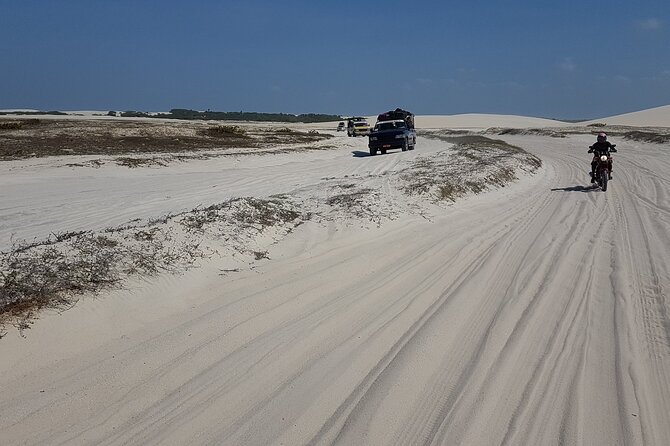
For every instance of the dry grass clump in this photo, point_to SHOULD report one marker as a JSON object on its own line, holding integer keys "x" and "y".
{"x": 286, "y": 135}
{"x": 358, "y": 202}
{"x": 133, "y": 162}
{"x": 10, "y": 125}
{"x": 53, "y": 273}
{"x": 245, "y": 212}
{"x": 441, "y": 176}
{"x": 514, "y": 131}
{"x": 474, "y": 164}
{"x": 259, "y": 255}
{"x": 449, "y": 190}
{"x": 16, "y": 124}
{"x": 647, "y": 136}
{"x": 491, "y": 152}
{"x": 47, "y": 277}
{"x": 225, "y": 131}
{"x": 264, "y": 213}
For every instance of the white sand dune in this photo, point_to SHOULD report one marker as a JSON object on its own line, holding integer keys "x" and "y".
{"x": 482, "y": 121}
{"x": 653, "y": 117}
{"x": 534, "y": 314}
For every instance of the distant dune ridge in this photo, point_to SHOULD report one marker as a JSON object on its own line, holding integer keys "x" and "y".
{"x": 653, "y": 117}
{"x": 474, "y": 121}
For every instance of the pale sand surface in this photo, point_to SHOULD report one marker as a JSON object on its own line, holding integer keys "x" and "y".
{"x": 654, "y": 117}
{"x": 483, "y": 121}
{"x": 533, "y": 314}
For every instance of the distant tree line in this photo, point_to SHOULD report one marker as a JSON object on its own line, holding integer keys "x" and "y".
{"x": 182, "y": 113}
{"x": 32, "y": 113}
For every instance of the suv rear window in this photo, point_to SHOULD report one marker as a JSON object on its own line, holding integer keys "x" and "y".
{"x": 390, "y": 125}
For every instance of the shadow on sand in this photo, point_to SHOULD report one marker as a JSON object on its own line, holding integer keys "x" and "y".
{"x": 360, "y": 154}
{"x": 590, "y": 188}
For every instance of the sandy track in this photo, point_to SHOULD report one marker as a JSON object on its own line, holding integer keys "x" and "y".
{"x": 535, "y": 314}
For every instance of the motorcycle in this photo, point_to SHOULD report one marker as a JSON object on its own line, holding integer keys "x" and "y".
{"x": 602, "y": 171}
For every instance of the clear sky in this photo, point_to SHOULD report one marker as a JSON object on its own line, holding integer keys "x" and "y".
{"x": 560, "y": 58}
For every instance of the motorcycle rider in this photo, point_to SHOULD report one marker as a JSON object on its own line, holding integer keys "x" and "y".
{"x": 601, "y": 147}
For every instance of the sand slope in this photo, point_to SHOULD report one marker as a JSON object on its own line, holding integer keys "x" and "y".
{"x": 653, "y": 117}
{"x": 534, "y": 314}
{"x": 482, "y": 121}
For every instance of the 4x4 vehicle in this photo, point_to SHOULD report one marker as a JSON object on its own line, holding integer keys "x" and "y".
{"x": 393, "y": 130}
{"x": 340, "y": 127}
{"x": 357, "y": 126}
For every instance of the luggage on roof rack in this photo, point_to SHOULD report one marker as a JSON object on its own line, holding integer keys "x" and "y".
{"x": 398, "y": 113}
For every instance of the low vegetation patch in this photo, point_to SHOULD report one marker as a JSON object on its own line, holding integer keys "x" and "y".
{"x": 128, "y": 161}
{"x": 54, "y": 273}
{"x": 32, "y": 113}
{"x": 286, "y": 135}
{"x": 30, "y": 138}
{"x": 225, "y": 131}
{"x": 647, "y": 136}
{"x": 359, "y": 202}
{"x": 514, "y": 131}
{"x": 474, "y": 164}
{"x": 18, "y": 124}
{"x": 248, "y": 212}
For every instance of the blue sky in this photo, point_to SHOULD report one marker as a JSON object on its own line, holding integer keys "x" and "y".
{"x": 562, "y": 59}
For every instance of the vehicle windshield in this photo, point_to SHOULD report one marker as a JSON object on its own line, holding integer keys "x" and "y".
{"x": 361, "y": 124}
{"x": 390, "y": 125}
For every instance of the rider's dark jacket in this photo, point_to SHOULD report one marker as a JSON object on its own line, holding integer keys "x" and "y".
{"x": 602, "y": 148}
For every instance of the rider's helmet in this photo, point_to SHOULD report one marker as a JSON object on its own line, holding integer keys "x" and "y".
{"x": 602, "y": 137}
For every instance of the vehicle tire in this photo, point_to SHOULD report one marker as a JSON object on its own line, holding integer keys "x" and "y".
{"x": 373, "y": 152}
{"x": 604, "y": 182}
{"x": 405, "y": 145}
{"x": 383, "y": 151}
